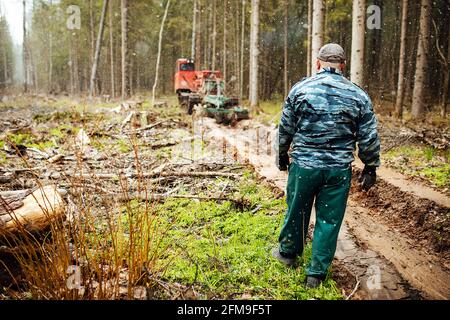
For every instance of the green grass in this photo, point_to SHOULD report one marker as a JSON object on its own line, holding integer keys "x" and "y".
{"x": 3, "y": 159}
{"x": 225, "y": 249}
{"x": 63, "y": 130}
{"x": 426, "y": 162}
{"x": 30, "y": 141}
{"x": 439, "y": 175}
{"x": 271, "y": 111}
{"x": 123, "y": 146}
{"x": 21, "y": 138}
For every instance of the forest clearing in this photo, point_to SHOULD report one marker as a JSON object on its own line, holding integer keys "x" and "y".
{"x": 140, "y": 146}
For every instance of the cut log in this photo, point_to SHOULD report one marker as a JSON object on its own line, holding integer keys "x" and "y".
{"x": 56, "y": 158}
{"x": 37, "y": 211}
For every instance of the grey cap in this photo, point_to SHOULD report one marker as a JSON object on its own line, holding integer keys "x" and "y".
{"x": 331, "y": 52}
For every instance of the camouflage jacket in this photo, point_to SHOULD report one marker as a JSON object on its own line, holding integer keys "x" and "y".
{"x": 323, "y": 118}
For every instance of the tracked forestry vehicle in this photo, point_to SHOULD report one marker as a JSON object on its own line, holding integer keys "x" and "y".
{"x": 206, "y": 88}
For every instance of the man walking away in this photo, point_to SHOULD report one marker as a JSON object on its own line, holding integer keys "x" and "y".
{"x": 323, "y": 118}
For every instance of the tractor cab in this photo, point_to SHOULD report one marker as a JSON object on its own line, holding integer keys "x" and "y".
{"x": 185, "y": 76}
{"x": 185, "y": 65}
{"x": 206, "y": 88}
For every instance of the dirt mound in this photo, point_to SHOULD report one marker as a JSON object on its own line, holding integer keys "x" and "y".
{"x": 422, "y": 220}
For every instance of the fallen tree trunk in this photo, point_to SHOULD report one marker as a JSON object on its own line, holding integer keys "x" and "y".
{"x": 33, "y": 212}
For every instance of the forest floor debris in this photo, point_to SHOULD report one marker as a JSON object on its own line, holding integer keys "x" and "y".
{"x": 143, "y": 219}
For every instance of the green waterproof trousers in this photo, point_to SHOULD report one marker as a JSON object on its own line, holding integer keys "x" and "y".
{"x": 329, "y": 188}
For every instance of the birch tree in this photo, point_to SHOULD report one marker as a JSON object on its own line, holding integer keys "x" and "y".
{"x": 318, "y": 15}
{"x": 97, "y": 48}
{"x": 111, "y": 51}
{"x": 158, "y": 58}
{"x": 401, "y": 69}
{"x": 50, "y": 54}
{"x": 358, "y": 37}
{"x": 92, "y": 31}
{"x": 25, "y": 60}
{"x": 254, "y": 53}
{"x": 124, "y": 32}
{"x": 418, "y": 105}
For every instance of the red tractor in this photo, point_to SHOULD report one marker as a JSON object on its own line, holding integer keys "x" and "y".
{"x": 190, "y": 84}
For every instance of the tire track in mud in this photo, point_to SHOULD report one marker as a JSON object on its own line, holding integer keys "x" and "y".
{"x": 383, "y": 261}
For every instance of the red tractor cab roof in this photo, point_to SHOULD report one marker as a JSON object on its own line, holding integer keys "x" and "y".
{"x": 184, "y": 64}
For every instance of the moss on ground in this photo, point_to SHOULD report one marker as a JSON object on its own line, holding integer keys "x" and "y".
{"x": 426, "y": 162}
{"x": 225, "y": 248}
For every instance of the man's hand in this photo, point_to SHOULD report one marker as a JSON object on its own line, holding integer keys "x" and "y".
{"x": 368, "y": 177}
{"x": 282, "y": 161}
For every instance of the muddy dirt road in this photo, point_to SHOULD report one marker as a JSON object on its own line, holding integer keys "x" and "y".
{"x": 388, "y": 262}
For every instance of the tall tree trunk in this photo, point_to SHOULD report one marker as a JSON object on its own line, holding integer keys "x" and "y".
{"x": 33, "y": 70}
{"x": 412, "y": 41}
{"x": 50, "y": 62}
{"x": 111, "y": 51}
{"x": 25, "y": 53}
{"x": 198, "y": 41}
{"x": 446, "y": 79}
{"x": 194, "y": 26}
{"x": 130, "y": 73}
{"x": 317, "y": 32}
{"x": 50, "y": 55}
{"x": 5, "y": 65}
{"x": 71, "y": 68}
{"x": 208, "y": 35}
{"x": 374, "y": 55}
{"x": 285, "y": 80}
{"x": 92, "y": 32}
{"x": 418, "y": 104}
{"x": 237, "y": 64}
{"x": 241, "y": 84}
{"x": 401, "y": 68}
{"x": 358, "y": 35}
{"x": 254, "y": 54}
{"x": 224, "y": 59}
{"x": 159, "y": 51}
{"x": 308, "y": 49}
{"x": 97, "y": 48}
{"x": 124, "y": 22}
{"x": 76, "y": 73}
{"x": 214, "y": 36}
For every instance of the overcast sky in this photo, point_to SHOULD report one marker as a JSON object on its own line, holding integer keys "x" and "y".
{"x": 13, "y": 11}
